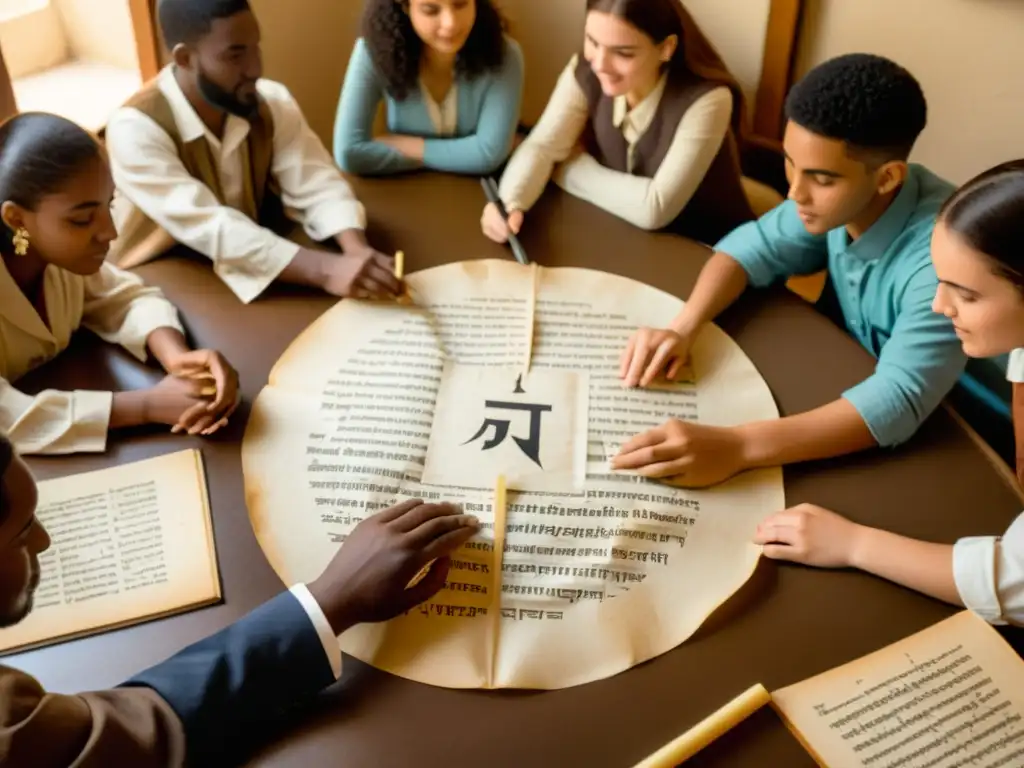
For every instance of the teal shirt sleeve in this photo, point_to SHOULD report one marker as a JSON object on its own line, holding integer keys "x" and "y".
{"x": 917, "y": 367}
{"x": 355, "y": 151}
{"x": 485, "y": 150}
{"x": 776, "y": 246}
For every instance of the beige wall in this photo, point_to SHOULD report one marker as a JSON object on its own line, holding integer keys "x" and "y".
{"x": 32, "y": 37}
{"x": 300, "y": 34}
{"x": 968, "y": 55}
{"x": 99, "y": 31}
{"x": 306, "y": 44}
{"x": 737, "y": 29}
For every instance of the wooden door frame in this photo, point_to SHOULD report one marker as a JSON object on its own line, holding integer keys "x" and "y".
{"x": 762, "y": 155}
{"x": 777, "y": 71}
{"x": 147, "y": 42}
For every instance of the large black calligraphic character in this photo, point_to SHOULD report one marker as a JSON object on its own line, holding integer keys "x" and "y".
{"x": 530, "y": 445}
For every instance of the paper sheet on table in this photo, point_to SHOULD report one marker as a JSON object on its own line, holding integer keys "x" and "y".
{"x": 948, "y": 697}
{"x": 130, "y": 543}
{"x": 530, "y": 428}
{"x": 593, "y": 581}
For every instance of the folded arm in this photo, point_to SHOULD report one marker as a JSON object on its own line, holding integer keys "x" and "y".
{"x": 550, "y": 142}
{"x": 653, "y": 203}
{"x": 485, "y": 150}
{"x": 355, "y": 150}
{"x": 120, "y": 309}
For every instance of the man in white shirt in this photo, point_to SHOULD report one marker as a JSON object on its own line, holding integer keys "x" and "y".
{"x": 213, "y": 157}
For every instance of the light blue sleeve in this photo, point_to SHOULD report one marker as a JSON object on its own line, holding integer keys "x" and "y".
{"x": 776, "y": 246}
{"x": 918, "y": 366}
{"x": 484, "y": 151}
{"x": 355, "y": 151}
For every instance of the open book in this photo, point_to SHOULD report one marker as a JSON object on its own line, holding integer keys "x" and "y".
{"x": 950, "y": 696}
{"x": 130, "y": 544}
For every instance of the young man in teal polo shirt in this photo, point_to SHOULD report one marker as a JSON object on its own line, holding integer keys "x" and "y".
{"x": 857, "y": 207}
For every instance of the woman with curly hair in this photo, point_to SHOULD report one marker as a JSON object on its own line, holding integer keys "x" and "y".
{"x": 452, "y": 82}
{"x": 643, "y": 125}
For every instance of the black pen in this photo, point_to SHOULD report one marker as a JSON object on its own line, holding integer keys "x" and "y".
{"x": 491, "y": 190}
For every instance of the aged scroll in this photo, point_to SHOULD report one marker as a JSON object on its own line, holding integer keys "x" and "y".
{"x": 948, "y": 697}
{"x": 376, "y": 403}
{"x": 129, "y": 544}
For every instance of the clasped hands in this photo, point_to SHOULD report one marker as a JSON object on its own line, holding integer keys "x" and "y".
{"x": 198, "y": 395}
{"x": 677, "y": 452}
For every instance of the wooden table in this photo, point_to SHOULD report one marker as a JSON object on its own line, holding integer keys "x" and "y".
{"x": 786, "y": 624}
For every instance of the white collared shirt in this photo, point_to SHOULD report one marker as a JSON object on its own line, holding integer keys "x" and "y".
{"x": 149, "y": 174}
{"x": 989, "y": 570}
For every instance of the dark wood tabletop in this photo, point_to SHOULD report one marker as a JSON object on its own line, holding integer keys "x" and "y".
{"x": 786, "y": 624}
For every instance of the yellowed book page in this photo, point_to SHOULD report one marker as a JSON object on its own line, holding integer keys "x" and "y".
{"x": 363, "y": 411}
{"x": 129, "y": 543}
{"x": 951, "y": 696}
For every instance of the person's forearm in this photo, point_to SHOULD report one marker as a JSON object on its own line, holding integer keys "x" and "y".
{"x": 919, "y": 565}
{"x": 352, "y": 240}
{"x": 835, "y": 429}
{"x": 720, "y": 283}
{"x": 309, "y": 268}
{"x": 411, "y": 147}
{"x": 128, "y": 410}
{"x": 166, "y": 344}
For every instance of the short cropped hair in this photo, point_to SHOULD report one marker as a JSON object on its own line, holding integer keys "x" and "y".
{"x": 869, "y": 102}
{"x": 188, "y": 21}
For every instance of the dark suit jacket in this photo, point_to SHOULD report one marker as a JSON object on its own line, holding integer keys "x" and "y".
{"x": 200, "y": 707}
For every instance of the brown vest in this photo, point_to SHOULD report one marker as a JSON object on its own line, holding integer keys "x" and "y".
{"x": 719, "y": 205}
{"x": 141, "y": 239}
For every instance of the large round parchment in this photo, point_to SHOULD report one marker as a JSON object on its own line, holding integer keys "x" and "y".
{"x": 376, "y": 403}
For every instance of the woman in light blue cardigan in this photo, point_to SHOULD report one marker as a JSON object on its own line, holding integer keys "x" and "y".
{"x": 452, "y": 82}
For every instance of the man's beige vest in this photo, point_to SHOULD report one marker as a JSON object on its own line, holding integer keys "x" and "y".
{"x": 140, "y": 238}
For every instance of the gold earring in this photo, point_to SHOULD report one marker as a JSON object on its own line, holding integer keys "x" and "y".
{"x": 20, "y": 241}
